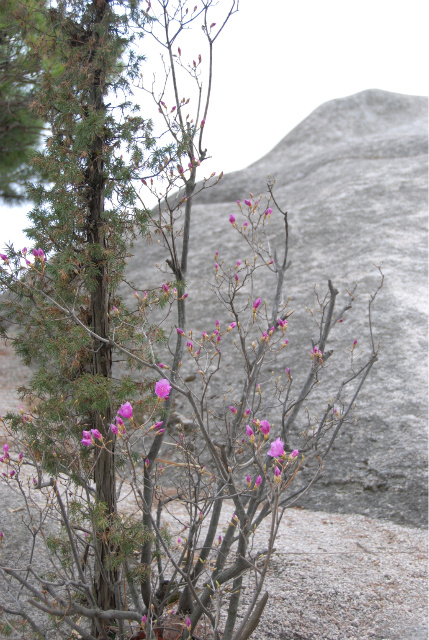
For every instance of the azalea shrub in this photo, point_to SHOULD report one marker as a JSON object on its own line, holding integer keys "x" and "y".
{"x": 145, "y": 522}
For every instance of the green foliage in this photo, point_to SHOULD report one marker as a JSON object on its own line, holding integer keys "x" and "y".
{"x": 20, "y": 129}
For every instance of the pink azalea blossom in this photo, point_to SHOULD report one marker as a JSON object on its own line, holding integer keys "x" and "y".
{"x": 237, "y": 264}
{"x": 294, "y": 453}
{"x": 265, "y": 427}
{"x": 248, "y": 479}
{"x": 258, "y": 481}
{"x": 276, "y": 449}
{"x": 232, "y": 326}
{"x": 12, "y": 473}
{"x": 248, "y": 203}
{"x": 249, "y": 431}
{"x": 180, "y": 332}
{"x": 126, "y": 410}
{"x": 268, "y": 211}
{"x": 119, "y": 421}
{"x": 232, "y": 218}
{"x": 4, "y": 258}
{"x": 86, "y": 442}
{"x": 188, "y": 623}
{"x": 236, "y": 277}
{"x": 114, "y": 429}
{"x": 245, "y": 224}
{"x": 162, "y": 388}
{"x": 246, "y": 413}
{"x": 144, "y": 618}
{"x": 159, "y": 432}
{"x": 232, "y": 409}
{"x": 6, "y": 450}
{"x": 165, "y": 287}
{"x": 239, "y": 202}
{"x": 86, "y": 434}
{"x": 257, "y": 303}
{"x": 277, "y": 472}
{"x": 96, "y": 434}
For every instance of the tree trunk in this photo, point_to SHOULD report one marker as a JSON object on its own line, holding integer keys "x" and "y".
{"x": 104, "y": 472}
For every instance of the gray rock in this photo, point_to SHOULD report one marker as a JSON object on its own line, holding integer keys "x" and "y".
{"x": 353, "y": 177}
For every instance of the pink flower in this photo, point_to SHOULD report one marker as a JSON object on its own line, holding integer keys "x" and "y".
{"x": 144, "y": 618}
{"x": 257, "y": 303}
{"x": 232, "y": 218}
{"x": 180, "y": 332}
{"x": 237, "y": 264}
{"x": 248, "y": 480}
{"x": 165, "y": 287}
{"x": 161, "y": 365}
{"x": 119, "y": 421}
{"x": 354, "y": 343}
{"x": 203, "y": 122}
{"x": 265, "y": 427}
{"x": 232, "y": 326}
{"x": 245, "y": 224}
{"x": 4, "y": 258}
{"x": 276, "y": 449}
{"x": 86, "y": 442}
{"x": 268, "y": 211}
{"x": 277, "y": 473}
{"x": 86, "y": 434}
{"x": 248, "y": 203}
{"x": 239, "y": 202}
{"x": 258, "y": 481}
{"x": 6, "y": 450}
{"x": 236, "y": 277}
{"x": 159, "y": 432}
{"x": 126, "y": 410}
{"x": 21, "y": 455}
{"x": 249, "y": 431}
{"x": 188, "y": 623}
{"x": 294, "y": 453}
{"x": 162, "y": 388}
{"x": 97, "y": 435}
{"x": 189, "y": 345}
{"x": 12, "y": 473}
{"x": 114, "y": 429}
{"x": 246, "y": 413}
{"x": 232, "y": 409}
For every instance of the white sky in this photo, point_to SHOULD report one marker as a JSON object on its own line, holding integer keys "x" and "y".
{"x": 278, "y": 60}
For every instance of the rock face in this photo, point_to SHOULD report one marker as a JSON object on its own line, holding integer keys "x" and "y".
{"x": 353, "y": 177}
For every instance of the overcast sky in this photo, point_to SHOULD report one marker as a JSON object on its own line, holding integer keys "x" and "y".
{"x": 278, "y": 60}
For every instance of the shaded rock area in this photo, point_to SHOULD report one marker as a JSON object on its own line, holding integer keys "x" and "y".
{"x": 353, "y": 178}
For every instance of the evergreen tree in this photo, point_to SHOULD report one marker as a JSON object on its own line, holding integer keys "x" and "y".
{"x": 19, "y": 128}
{"x": 84, "y": 220}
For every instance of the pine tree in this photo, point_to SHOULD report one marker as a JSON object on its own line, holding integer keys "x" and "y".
{"x": 84, "y": 220}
